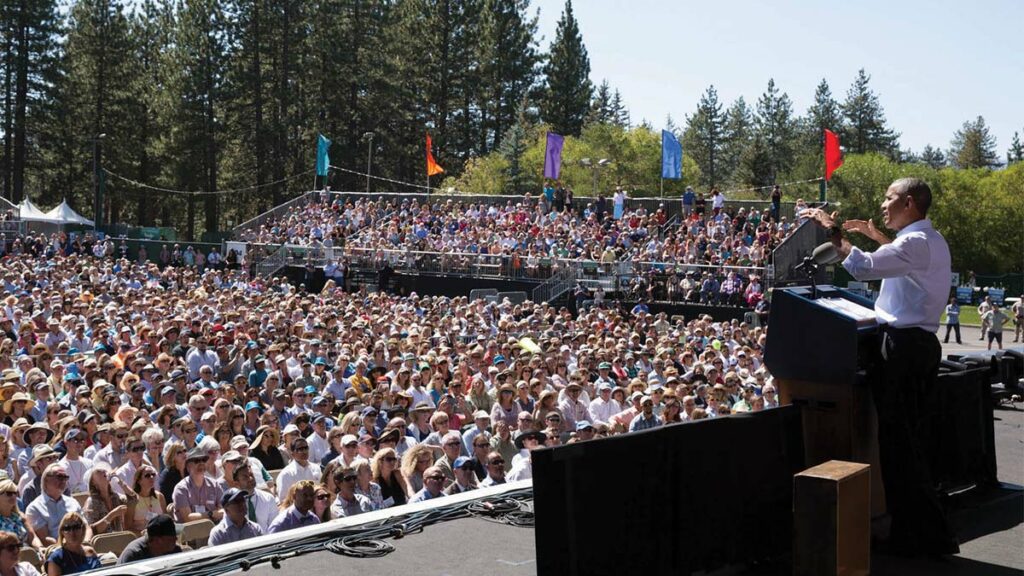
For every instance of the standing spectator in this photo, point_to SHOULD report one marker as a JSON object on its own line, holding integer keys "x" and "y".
{"x": 995, "y": 319}
{"x": 953, "y": 319}
{"x": 983, "y": 308}
{"x": 688, "y": 198}
{"x": 1018, "y": 318}
{"x": 776, "y": 202}
{"x": 717, "y": 201}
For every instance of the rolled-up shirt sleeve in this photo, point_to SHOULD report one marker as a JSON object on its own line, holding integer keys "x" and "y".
{"x": 892, "y": 260}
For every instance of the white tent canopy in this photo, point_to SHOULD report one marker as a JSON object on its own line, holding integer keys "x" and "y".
{"x": 64, "y": 214}
{"x": 29, "y": 212}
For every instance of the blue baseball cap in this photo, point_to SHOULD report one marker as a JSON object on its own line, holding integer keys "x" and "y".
{"x": 499, "y": 359}
{"x": 254, "y": 406}
{"x": 584, "y": 425}
{"x": 461, "y": 462}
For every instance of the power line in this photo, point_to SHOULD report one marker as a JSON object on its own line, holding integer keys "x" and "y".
{"x": 207, "y": 192}
{"x": 356, "y": 172}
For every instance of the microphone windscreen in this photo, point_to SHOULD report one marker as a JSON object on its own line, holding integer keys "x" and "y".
{"x": 825, "y": 254}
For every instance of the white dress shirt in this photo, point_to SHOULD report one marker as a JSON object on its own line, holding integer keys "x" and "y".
{"x": 293, "y": 473}
{"x": 915, "y": 272}
{"x": 602, "y": 411}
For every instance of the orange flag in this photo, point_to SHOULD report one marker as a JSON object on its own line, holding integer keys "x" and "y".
{"x": 433, "y": 168}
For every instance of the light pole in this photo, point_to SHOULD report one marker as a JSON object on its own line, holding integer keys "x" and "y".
{"x": 368, "y": 136}
{"x": 97, "y": 179}
{"x": 595, "y": 168}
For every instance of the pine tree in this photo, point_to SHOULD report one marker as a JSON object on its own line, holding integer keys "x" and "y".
{"x": 200, "y": 51}
{"x": 973, "y": 146}
{"x": 932, "y": 157}
{"x": 509, "y": 58}
{"x": 98, "y": 94}
{"x": 825, "y": 112}
{"x": 28, "y": 32}
{"x": 1016, "y": 151}
{"x": 705, "y": 137}
{"x": 865, "y": 129}
{"x": 568, "y": 89}
{"x": 756, "y": 164}
{"x": 600, "y": 106}
{"x": 739, "y": 129}
{"x": 619, "y": 112}
{"x": 671, "y": 126}
{"x": 775, "y": 126}
{"x": 513, "y": 146}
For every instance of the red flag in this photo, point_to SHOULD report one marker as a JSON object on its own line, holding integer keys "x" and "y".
{"x": 433, "y": 168}
{"x": 833, "y": 155}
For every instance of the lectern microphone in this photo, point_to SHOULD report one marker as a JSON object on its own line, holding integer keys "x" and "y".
{"x": 824, "y": 254}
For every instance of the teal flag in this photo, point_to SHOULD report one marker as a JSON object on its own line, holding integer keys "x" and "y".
{"x": 323, "y": 161}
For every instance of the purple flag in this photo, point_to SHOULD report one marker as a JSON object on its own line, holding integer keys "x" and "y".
{"x": 553, "y": 156}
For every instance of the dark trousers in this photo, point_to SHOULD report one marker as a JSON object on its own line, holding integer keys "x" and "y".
{"x": 901, "y": 379}
{"x": 955, "y": 327}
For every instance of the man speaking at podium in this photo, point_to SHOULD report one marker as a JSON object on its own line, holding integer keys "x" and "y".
{"x": 915, "y": 273}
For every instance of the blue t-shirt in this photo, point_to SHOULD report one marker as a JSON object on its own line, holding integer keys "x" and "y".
{"x": 71, "y": 563}
{"x": 688, "y": 198}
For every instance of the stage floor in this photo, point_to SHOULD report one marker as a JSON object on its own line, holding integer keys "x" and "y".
{"x": 992, "y": 538}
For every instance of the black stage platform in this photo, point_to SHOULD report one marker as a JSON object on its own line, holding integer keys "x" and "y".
{"x": 992, "y": 534}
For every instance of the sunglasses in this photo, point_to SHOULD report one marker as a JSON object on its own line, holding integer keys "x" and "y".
{"x": 301, "y": 449}
{"x": 137, "y": 449}
{"x": 438, "y": 478}
{"x": 72, "y": 527}
{"x": 349, "y": 479}
{"x": 496, "y": 463}
{"x": 149, "y": 475}
{"x": 386, "y": 459}
{"x": 481, "y": 445}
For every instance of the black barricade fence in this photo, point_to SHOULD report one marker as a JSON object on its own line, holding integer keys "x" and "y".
{"x": 672, "y": 500}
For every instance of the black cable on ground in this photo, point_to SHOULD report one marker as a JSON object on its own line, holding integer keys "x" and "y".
{"x": 365, "y": 541}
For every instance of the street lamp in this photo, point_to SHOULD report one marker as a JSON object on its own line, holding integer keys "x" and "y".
{"x": 97, "y": 179}
{"x": 368, "y": 136}
{"x": 595, "y": 168}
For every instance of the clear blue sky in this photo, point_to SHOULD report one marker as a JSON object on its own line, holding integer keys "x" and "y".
{"x": 933, "y": 63}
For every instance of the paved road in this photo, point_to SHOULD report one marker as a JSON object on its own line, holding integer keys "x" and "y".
{"x": 970, "y": 336}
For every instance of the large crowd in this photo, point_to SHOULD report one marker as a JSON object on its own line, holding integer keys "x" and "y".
{"x": 137, "y": 397}
{"x": 532, "y": 229}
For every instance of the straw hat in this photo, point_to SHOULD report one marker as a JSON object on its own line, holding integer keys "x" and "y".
{"x": 19, "y": 397}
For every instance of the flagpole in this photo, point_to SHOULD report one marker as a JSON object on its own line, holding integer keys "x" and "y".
{"x": 662, "y": 187}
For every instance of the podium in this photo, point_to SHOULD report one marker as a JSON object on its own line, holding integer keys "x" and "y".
{"x": 819, "y": 347}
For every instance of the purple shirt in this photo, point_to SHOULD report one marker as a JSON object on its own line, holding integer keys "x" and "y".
{"x": 290, "y": 518}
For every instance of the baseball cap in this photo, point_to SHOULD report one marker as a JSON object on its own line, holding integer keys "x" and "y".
{"x": 161, "y": 525}
{"x": 461, "y": 462}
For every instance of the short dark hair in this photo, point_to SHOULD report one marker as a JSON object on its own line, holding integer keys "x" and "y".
{"x": 918, "y": 190}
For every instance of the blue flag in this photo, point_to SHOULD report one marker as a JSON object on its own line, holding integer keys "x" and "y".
{"x": 671, "y": 157}
{"x": 323, "y": 161}
{"x": 553, "y": 156}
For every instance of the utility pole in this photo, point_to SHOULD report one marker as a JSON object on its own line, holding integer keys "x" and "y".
{"x": 368, "y": 136}
{"x": 97, "y": 179}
